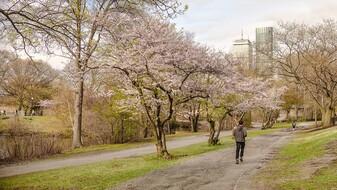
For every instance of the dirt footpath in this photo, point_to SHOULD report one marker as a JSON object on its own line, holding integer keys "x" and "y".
{"x": 215, "y": 170}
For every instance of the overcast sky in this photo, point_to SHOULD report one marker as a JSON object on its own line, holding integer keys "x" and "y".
{"x": 218, "y": 23}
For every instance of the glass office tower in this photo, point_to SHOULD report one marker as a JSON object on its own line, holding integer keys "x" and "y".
{"x": 264, "y": 47}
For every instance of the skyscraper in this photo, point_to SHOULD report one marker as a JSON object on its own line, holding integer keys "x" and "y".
{"x": 264, "y": 47}
{"x": 242, "y": 50}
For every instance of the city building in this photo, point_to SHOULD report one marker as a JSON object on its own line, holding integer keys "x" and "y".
{"x": 264, "y": 48}
{"x": 242, "y": 50}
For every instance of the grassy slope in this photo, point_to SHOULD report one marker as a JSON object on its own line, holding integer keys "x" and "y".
{"x": 284, "y": 172}
{"x": 110, "y": 173}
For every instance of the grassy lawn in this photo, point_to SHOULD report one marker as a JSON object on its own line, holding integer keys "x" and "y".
{"x": 286, "y": 170}
{"x": 43, "y": 124}
{"x": 110, "y": 173}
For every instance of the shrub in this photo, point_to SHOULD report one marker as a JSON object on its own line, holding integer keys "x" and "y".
{"x": 22, "y": 144}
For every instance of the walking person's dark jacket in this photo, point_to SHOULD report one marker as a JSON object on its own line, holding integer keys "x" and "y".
{"x": 240, "y": 133}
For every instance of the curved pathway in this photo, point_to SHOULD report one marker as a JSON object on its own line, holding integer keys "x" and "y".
{"x": 216, "y": 170}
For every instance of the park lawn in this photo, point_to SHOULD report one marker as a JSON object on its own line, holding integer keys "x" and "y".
{"x": 110, "y": 173}
{"x": 286, "y": 171}
{"x": 42, "y": 124}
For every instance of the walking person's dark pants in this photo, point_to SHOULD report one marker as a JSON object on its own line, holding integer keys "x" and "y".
{"x": 240, "y": 147}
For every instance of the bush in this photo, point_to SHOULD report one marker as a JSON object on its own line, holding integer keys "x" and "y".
{"x": 22, "y": 144}
{"x": 114, "y": 131}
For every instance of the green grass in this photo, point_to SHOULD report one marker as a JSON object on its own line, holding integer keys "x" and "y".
{"x": 325, "y": 178}
{"x": 285, "y": 171}
{"x": 110, "y": 173}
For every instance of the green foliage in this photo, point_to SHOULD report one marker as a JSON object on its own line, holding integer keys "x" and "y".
{"x": 174, "y": 125}
{"x": 122, "y": 121}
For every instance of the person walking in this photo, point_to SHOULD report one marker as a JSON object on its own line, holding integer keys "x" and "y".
{"x": 293, "y": 125}
{"x": 240, "y": 134}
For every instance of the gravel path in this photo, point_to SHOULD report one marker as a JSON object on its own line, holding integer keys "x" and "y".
{"x": 215, "y": 170}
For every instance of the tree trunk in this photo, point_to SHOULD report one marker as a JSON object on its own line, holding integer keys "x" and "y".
{"x": 211, "y": 140}
{"x": 194, "y": 123}
{"x": 288, "y": 115}
{"x": 326, "y": 117}
{"x": 161, "y": 152}
{"x": 194, "y": 117}
{"x": 112, "y": 133}
{"x": 80, "y": 66}
{"x": 145, "y": 133}
{"x": 77, "y": 141}
{"x": 122, "y": 132}
{"x": 263, "y": 120}
{"x": 161, "y": 144}
{"x": 221, "y": 124}
{"x": 168, "y": 126}
{"x": 269, "y": 120}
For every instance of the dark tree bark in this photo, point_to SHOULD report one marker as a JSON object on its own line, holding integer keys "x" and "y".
{"x": 194, "y": 116}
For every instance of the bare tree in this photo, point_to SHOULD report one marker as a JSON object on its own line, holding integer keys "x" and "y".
{"x": 28, "y": 83}
{"x": 307, "y": 56}
{"x": 74, "y": 27}
{"x": 5, "y": 58}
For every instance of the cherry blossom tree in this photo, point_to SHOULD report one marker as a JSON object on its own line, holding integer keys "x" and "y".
{"x": 234, "y": 94}
{"x": 73, "y": 28}
{"x": 158, "y": 64}
{"x": 269, "y": 103}
{"x": 219, "y": 87}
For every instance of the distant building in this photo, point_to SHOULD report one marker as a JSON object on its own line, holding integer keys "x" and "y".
{"x": 242, "y": 50}
{"x": 264, "y": 47}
